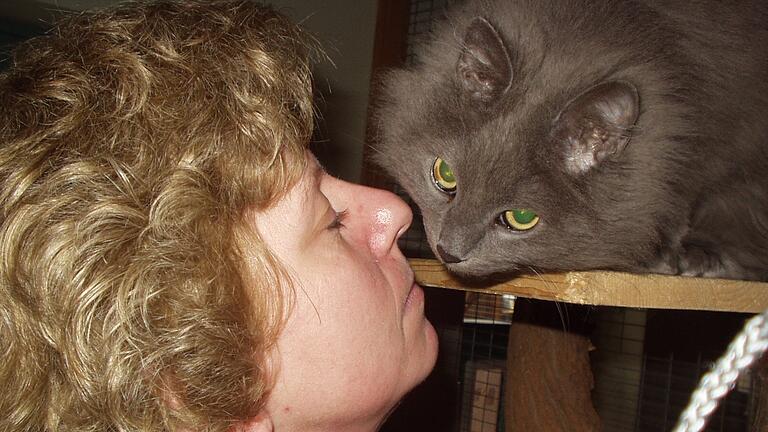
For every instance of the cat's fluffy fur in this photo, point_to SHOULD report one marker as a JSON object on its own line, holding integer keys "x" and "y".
{"x": 686, "y": 193}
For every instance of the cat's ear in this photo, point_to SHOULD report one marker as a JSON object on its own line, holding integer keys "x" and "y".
{"x": 597, "y": 124}
{"x": 484, "y": 68}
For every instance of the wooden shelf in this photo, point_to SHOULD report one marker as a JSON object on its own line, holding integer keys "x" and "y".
{"x": 614, "y": 289}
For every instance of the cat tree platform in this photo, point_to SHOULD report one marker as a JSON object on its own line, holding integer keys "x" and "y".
{"x": 602, "y": 288}
{"x": 550, "y": 370}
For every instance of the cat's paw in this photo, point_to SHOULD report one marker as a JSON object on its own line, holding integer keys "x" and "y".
{"x": 699, "y": 262}
{"x": 688, "y": 260}
{"x": 666, "y": 263}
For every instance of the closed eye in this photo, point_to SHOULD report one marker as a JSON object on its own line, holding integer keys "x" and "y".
{"x": 338, "y": 220}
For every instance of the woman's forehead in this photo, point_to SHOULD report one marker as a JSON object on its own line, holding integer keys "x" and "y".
{"x": 303, "y": 194}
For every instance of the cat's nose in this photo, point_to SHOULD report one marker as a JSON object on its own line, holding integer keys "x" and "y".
{"x": 446, "y": 257}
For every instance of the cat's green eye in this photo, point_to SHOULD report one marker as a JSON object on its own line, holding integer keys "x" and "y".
{"x": 442, "y": 176}
{"x": 519, "y": 219}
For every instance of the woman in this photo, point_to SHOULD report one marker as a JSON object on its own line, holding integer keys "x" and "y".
{"x": 173, "y": 258}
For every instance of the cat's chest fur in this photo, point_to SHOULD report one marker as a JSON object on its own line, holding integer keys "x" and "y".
{"x": 596, "y": 134}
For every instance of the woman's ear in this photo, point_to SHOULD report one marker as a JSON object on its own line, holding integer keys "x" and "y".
{"x": 261, "y": 423}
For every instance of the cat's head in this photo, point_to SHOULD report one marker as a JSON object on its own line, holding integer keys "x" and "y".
{"x": 516, "y": 164}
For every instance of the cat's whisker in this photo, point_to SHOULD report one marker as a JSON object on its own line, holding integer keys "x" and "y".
{"x": 564, "y": 319}
{"x": 562, "y": 311}
{"x": 377, "y": 150}
{"x": 382, "y": 154}
{"x": 382, "y": 157}
{"x": 354, "y": 137}
{"x": 540, "y": 277}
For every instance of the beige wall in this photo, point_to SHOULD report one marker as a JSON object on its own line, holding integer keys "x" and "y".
{"x": 346, "y": 30}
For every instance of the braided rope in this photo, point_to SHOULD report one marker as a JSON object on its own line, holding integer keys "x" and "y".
{"x": 745, "y": 348}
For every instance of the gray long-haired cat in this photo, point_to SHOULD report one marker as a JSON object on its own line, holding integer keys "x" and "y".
{"x": 588, "y": 134}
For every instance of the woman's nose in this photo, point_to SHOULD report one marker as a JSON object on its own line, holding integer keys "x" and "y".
{"x": 389, "y": 218}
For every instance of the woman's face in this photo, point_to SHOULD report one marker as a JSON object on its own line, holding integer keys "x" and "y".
{"x": 357, "y": 339}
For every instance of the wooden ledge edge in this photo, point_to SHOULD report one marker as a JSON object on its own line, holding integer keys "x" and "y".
{"x": 603, "y": 288}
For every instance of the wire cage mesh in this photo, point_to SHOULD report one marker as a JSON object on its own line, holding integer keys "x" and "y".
{"x": 635, "y": 389}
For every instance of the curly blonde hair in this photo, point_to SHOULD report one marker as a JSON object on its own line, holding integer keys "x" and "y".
{"x": 131, "y": 142}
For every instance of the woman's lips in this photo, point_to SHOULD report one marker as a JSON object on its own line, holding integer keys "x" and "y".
{"x": 415, "y": 296}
